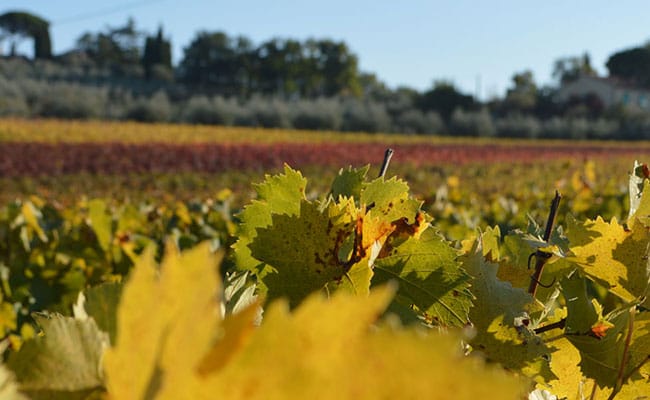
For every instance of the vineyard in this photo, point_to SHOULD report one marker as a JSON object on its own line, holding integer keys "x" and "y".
{"x": 455, "y": 274}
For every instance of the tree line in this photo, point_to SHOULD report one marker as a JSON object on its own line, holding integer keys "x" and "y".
{"x": 218, "y": 69}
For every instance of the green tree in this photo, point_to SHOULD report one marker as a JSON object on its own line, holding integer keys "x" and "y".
{"x": 568, "y": 69}
{"x": 444, "y": 98}
{"x": 246, "y": 74}
{"x": 116, "y": 47}
{"x": 21, "y": 24}
{"x": 339, "y": 68}
{"x": 277, "y": 60}
{"x": 632, "y": 65}
{"x": 372, "y": 87}
{"x": 522, "y": 97}
{"x": 157, "y": 54}
{"x": 211, "y": 60}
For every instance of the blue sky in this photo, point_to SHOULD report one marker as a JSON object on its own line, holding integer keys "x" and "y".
{"x": 478, "y": 45}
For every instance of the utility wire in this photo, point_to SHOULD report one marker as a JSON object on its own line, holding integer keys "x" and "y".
{"x": 104, "y": 12}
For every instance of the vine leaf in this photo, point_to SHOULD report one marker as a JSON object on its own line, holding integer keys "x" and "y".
{"x": 175, "y": 346}
{"x": 494, "y": 313}
{"x": 638, "y": 384}
{"x": 166, "y": 324}
{"x": 430, "y": 278}
{"x": 614, "y": 257}
{"x": 637, "y": 184}
{"x": 65, "y": 359}
{"x": 515, "y": 265}
{"x": 600, "y": 339}
{"x": 101, "y": 304}
{"x": 349, "y": 182}
{"x": 335, "y": 356}
{"x": 303, "y": 252}
{"x": 564, "y": 361}
{"x": 101, "y": 223}
{"x": 390, "y": 200}
{"x": 277, "y": 195}
{"x": 8, "y": 385}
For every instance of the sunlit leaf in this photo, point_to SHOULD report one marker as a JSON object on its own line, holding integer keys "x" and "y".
{"x": 67, "y": 358}
{"x": 613, "y": 256}
{"x": 430, "y": 278}
{"x": 493, "y": 315}
{"x": 278, "y": 194}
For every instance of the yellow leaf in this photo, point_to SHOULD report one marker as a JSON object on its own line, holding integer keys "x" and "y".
{"x": 171, "y": 344}
{"x": 327, "y": 349}
{"x": 31, "y": 215}
{"x": 130, "y": 365}
{"x": 166, "y": 324}
{"x": 236, "y": 331}
{"x": 564, "y": 365}
{"x": 611, "y": 255}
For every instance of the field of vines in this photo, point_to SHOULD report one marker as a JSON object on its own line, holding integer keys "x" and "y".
{"x": 192, "y": 262}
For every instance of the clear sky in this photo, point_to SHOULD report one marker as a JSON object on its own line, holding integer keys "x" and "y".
{"x": 478, "y": 45}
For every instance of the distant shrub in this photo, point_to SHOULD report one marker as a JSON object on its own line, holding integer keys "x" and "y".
{"x": 415, "y": 121}
{"x": 365, "y": 116}
{"x": 583, "y": 128}
{"x": 554, "y": 128}
{"x": 319, "y": 114}
{"x": 268, "y": 113}
{"x": 156, "y": 108}
{"x": 518, "y": 126}
{"x": 602, "y": 128}
{"x": 210, "y": 111}
{"x": 635, "y": 126}
{"x": 65, "y": 100}
{"x": 12, "y": 99}
{"x": 471, "y": 123}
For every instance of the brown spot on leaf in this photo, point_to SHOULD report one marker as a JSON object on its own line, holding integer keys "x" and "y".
{"x": 599, "y": 330}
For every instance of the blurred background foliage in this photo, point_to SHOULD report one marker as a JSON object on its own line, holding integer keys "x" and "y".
{"x": 125, "y": 73}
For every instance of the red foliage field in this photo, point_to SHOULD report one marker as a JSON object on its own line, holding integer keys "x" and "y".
{"x": 48, "y": 159}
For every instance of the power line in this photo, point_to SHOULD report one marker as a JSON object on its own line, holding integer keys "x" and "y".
{"x": 104, "y": 12}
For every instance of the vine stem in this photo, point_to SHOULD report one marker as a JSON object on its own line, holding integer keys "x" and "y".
{"x": 620, "y": 378}
{"x": 637, "y": 368}
{"x": 594, "y": 390}
{"x": 540, "y": 256}
{"x": 555, "y": 325}
{"x": 384, "y": 165}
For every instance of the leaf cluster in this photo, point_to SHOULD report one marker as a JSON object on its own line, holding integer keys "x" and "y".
{"x": 49, "y": 253}
{"x": 362, "y": 234}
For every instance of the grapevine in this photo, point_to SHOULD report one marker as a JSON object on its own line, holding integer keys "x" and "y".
{"x": 356, "y": 293}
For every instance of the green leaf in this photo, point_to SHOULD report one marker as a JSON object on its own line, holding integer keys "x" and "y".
{"x": 8, "y": 385}
{"x": 303, "y": 252}
{"x": 101, "y": 304}
{"x": 497, "y": 306}
{"x": 611, "y": 255}
{"x": 638, "y": 366}
{"x": 637, "y": 182}
{"x": 101, "y": 222}
{"x": 581, "y": 311}
{"x": 490, "y": 243}
{"x": 277, "y": 195}
{"x": 600, "y": 340}
{"x": 495, "y": 297}
{"x": 389, "y": 200}
{"x": 429, "y": 276}
{"x": 349, "y": 182}
{"x": 237, "y": 293}
{"x": 66, "y": 358}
